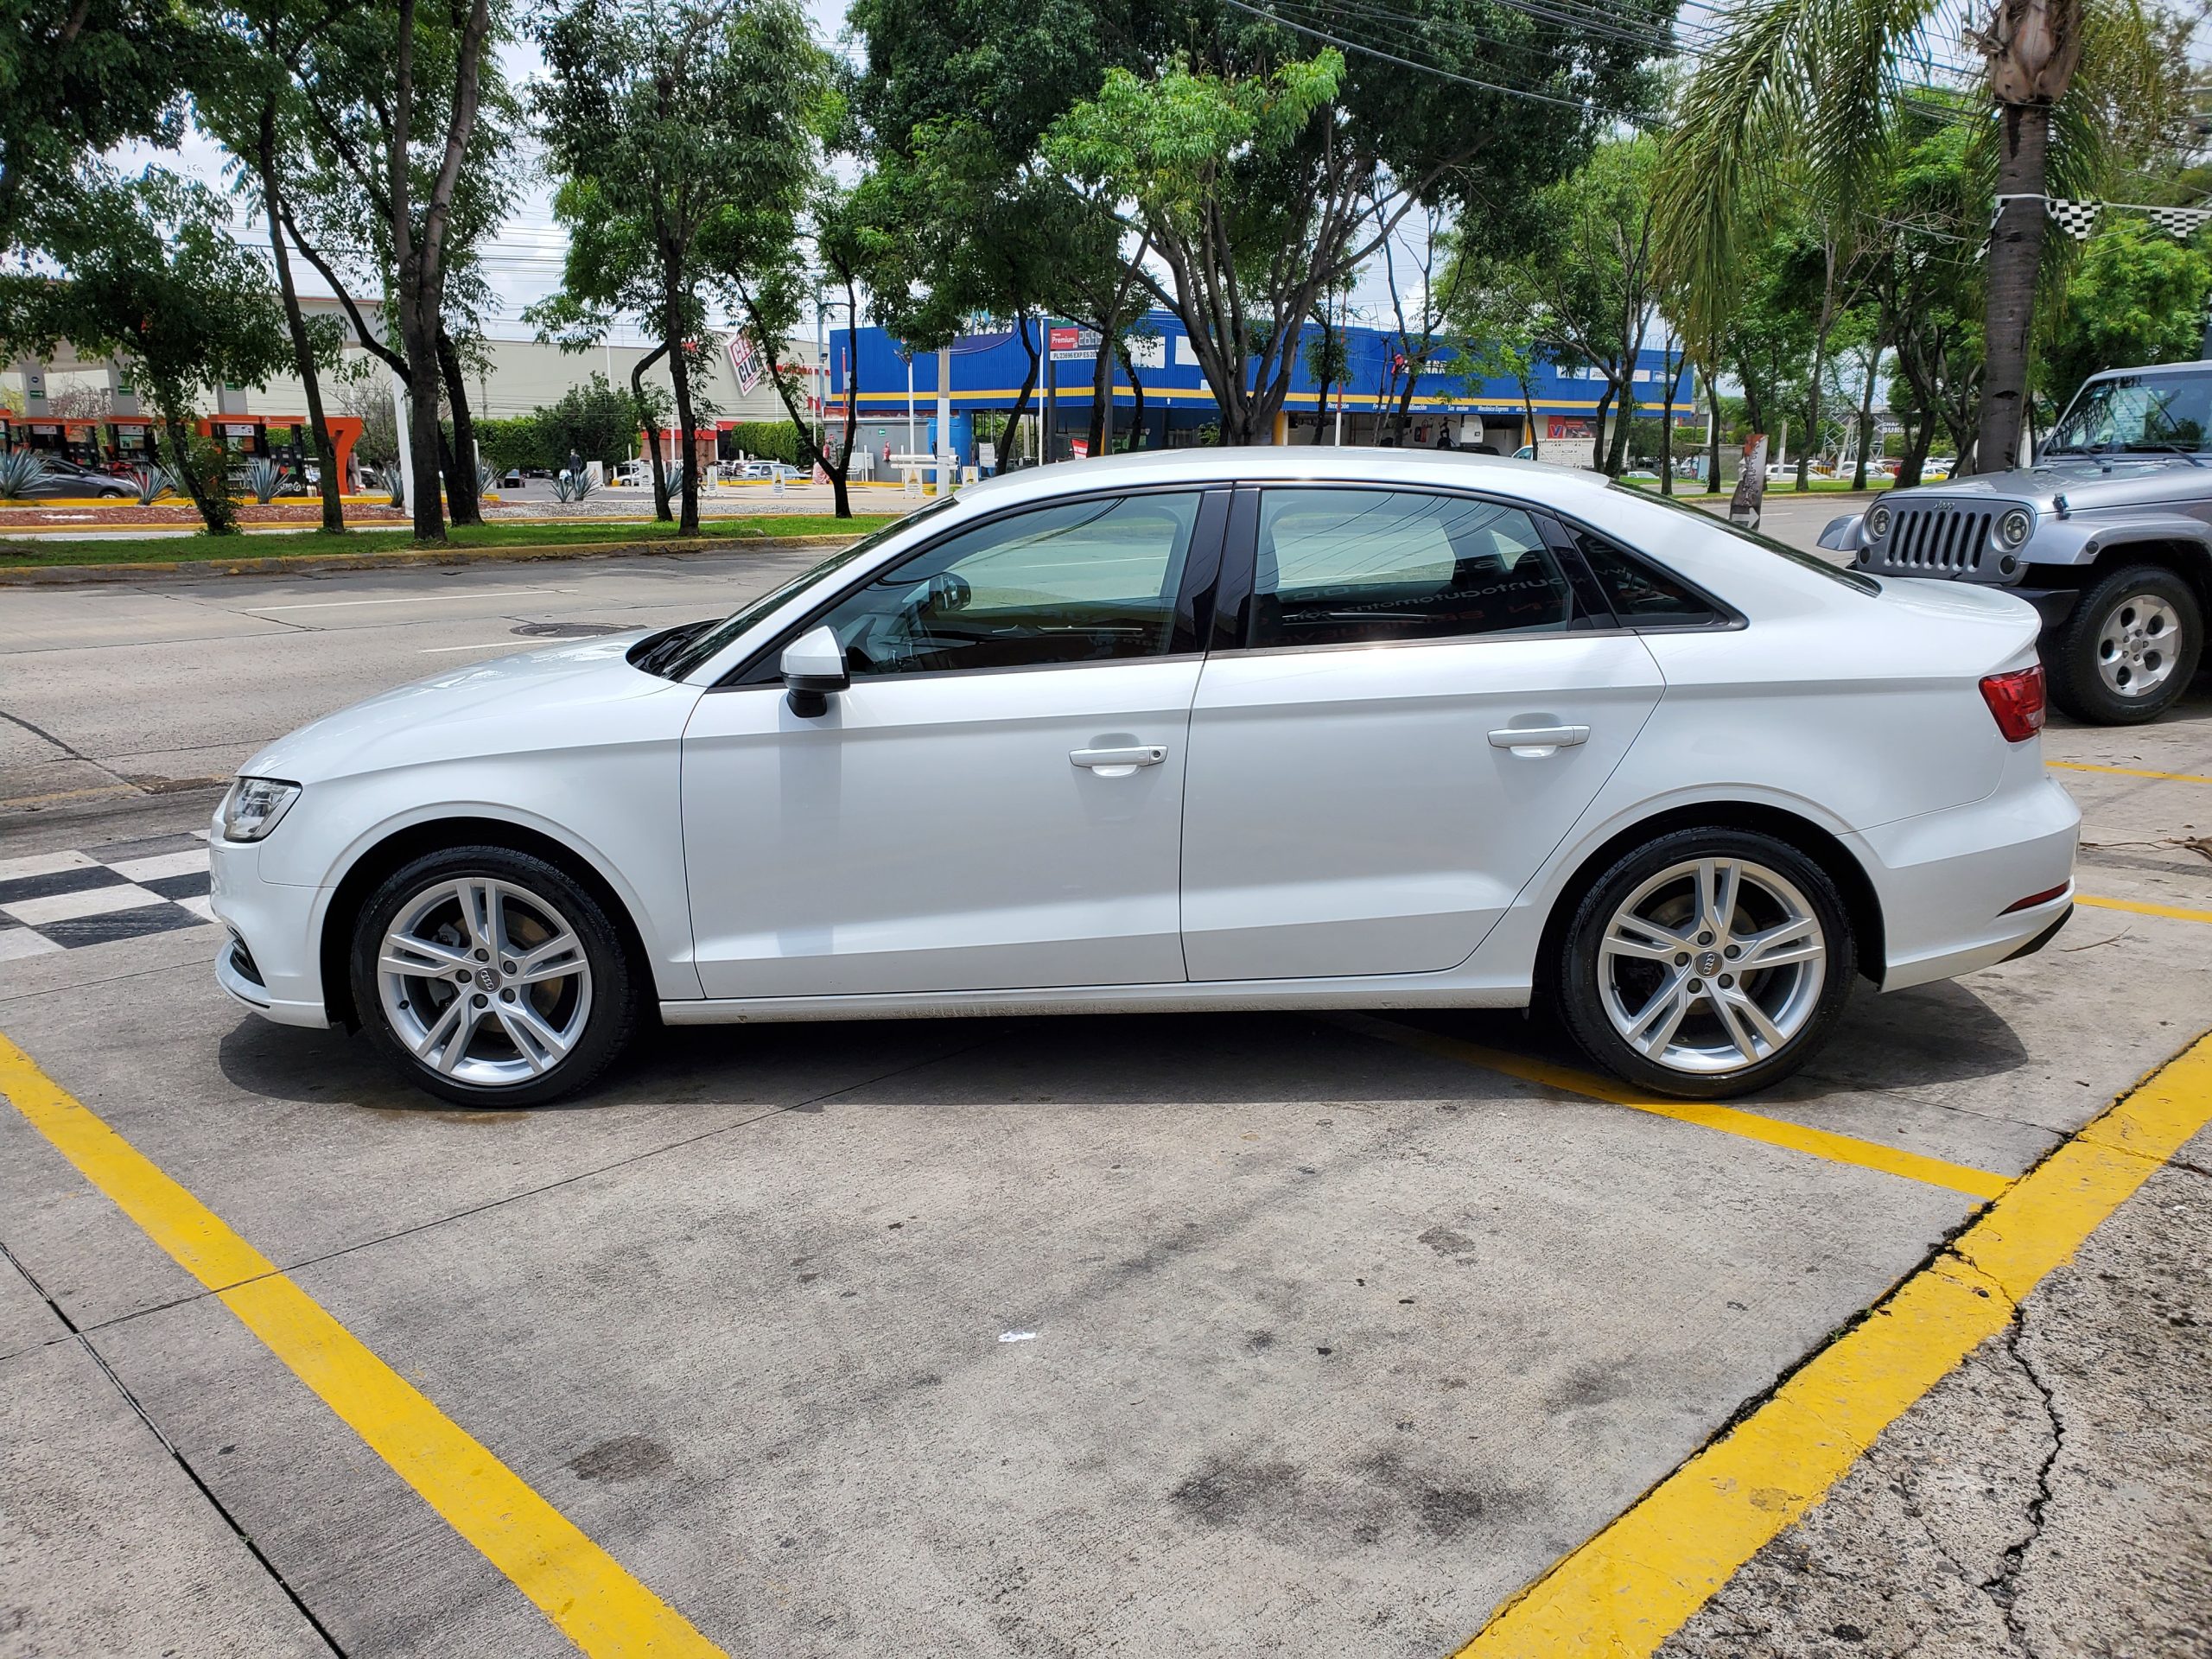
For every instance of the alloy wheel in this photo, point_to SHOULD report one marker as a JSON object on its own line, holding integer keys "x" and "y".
{"x": 1712, "y": 966}
{"x": 2137, "y": 644}
{"x": 484, "y": 982}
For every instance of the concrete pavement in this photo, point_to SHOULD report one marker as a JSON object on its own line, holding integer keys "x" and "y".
{"x": 1116, "y": 1335}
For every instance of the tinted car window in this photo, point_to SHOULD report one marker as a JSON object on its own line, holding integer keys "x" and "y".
{"x": 1348, "y": 567}
{"x": 1083, "y": 581}
{"x": 1638, "y": 592}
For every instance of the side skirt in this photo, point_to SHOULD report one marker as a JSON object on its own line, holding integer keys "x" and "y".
{"x": 1221, "y": 996}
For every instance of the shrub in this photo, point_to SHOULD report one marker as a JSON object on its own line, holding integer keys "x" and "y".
{"x": 21, "y": 472}
{"x": 153, "y": 482}
{"x": 766, "y": 440}
{"x": 264, "y": 478}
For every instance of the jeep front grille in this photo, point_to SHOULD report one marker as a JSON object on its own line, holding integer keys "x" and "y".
{"x": 1950, "y": 540}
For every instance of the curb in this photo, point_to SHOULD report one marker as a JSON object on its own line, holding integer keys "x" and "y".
{"x": 303, "y": 563}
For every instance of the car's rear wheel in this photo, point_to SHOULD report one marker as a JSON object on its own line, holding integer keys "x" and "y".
{"x": 1706, "y": 963}
{"x": 2129, "y": 648}
{"x": 491, "y": 978}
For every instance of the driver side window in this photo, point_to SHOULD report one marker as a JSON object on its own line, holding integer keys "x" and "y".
{"x": 1079, "y": 582}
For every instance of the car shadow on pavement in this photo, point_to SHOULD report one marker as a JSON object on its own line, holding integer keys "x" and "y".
{"x": 1932, "y": 1034}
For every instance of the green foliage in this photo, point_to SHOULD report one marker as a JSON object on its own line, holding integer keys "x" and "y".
{"x": 160, "y": 281}
{"x": 202, "y": 465}
{"x": 767, "y": 440}
{"x": 2137, "y": 297}
{"x": 76, "y": 82}
{"x": 593, "y": 420}
{"x": 518, "y": 440}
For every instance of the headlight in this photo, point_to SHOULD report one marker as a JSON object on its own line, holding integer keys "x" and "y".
{"x": 2016, "y": 526}
{"x": 1877, "y": 523}
{"x": 252, "y": 807}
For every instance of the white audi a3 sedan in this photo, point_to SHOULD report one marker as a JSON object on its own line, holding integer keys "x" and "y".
{"x": 1228, "y": 728}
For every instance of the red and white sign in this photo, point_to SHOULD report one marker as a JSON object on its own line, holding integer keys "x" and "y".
{"x": 1063, "y": 339}
{"x": 745, "y": 362}
{"x": 1080, "y": 448}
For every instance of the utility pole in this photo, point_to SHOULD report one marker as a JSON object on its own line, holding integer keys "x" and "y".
{"x": 947, "y": 462}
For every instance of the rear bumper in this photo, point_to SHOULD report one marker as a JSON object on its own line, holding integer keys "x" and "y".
{"x": 1946, "y": 880}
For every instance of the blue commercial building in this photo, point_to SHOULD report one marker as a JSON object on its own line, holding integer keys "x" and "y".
{"x": 898, "y": 397}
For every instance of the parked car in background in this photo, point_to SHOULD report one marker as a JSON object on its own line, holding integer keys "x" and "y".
{"x": 632, "y": 474}
{"x": 66, "y": 480}
{"x": 2108, "y": 536}
{"x": 1203, "y": 729}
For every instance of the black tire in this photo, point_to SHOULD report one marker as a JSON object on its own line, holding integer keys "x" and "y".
{"x": 2075, "y": 652}
{"x": 595, "y": 1010}
{"x": 1803, "y": 1005}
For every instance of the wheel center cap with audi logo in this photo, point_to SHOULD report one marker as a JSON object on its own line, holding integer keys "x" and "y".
{"x": 488, "y": 978}
{"x": 1708, "y": 962}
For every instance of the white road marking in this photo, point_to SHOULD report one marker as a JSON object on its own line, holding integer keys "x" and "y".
{"x": 489, "y": 644}
{"x": 414, "y": 599}
{"x": 93, "y": 901}
{"x": 42, "y": 864}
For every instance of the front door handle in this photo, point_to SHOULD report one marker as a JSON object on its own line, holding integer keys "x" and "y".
{"x": 1119, "y": 763}
{"x": 1535, "y": 743}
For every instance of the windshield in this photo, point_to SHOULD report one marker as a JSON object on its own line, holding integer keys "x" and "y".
{"x": 2143, "y": 414}
{"x": 1765, "y": 543}
{"x": 681, "y": 651}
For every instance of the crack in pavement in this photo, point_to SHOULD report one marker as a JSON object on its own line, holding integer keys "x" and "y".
{"x": 2003, "y": 1588}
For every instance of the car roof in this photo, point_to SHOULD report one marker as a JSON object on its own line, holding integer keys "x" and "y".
{"x": 2154, "y": 368}
{"x": 1530, "y": 480}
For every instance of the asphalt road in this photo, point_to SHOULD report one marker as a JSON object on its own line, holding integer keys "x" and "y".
{"x": 1204, "y": 1334}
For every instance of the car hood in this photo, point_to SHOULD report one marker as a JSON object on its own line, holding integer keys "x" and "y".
{"x": 565, "y": 696}
{"x": 2088, "y": 482}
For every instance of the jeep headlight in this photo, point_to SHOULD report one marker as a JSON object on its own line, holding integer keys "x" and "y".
{"x": 1878, "y": 522}
{"x": 2016, "y": 526}
{"x": 252, "y": 807}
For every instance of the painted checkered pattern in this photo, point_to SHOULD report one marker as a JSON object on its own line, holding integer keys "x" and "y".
{"x": 62, "y": 901}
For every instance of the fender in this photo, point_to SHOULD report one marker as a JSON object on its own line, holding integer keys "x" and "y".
{"x": 2081, "y": 541}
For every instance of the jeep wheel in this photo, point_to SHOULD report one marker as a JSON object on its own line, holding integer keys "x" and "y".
{"x": 2128, "y": 650}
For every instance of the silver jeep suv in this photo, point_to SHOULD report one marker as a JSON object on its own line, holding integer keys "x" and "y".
{"x": 2109, "y": 535}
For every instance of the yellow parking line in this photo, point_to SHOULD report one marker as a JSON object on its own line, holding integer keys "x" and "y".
{"x": 1636, "y": 1583}
{"x": 2138, "y": 908}
{"x": 1752, "y": 1125}
{"x": 582, "y": 1589}
{"x": 2129, "y": 772}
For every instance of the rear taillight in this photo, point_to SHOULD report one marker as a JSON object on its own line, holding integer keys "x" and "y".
{"x": 2017, "y": 701}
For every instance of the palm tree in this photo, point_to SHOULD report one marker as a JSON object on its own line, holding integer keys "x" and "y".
{"x": 1806, "y": 96}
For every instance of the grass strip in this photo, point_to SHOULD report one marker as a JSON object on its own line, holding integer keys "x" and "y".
{"x": 26, "y": 552}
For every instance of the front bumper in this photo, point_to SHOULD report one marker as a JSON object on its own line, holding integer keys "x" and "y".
{"x": 280, "y": 927}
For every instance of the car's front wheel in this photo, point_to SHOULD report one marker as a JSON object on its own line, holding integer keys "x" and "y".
{"x": 1707, "y": 963}
{"x": 491, "y": 978}
{"x": 2128, "y": 649}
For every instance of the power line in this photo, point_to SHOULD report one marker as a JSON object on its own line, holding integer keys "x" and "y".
{"x": 1407, "y": 63}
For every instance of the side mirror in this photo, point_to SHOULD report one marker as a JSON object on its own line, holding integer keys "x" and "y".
{"x": 813, "y": 666}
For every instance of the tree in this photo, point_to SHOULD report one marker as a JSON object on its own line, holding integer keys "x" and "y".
{"x": 1584, "y": 276}
{"x": 379, "y": 75}
{"x": 246, "y": 100}
{"x": 774, "y": 296}
{"x": 1263, "y": 178}
{"x": 2137, "y": 295}
{"x": 673, "y": 129}
{"x": 159, "y": 282}
{"x": 77, "y": 81}
{"x": 1434, "y": 302}
{"x": 1814, "y": 91}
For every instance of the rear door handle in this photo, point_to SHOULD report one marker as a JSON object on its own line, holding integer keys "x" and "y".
{"x": 1537, "y": 741}
{"x": 1119, "y": 763}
